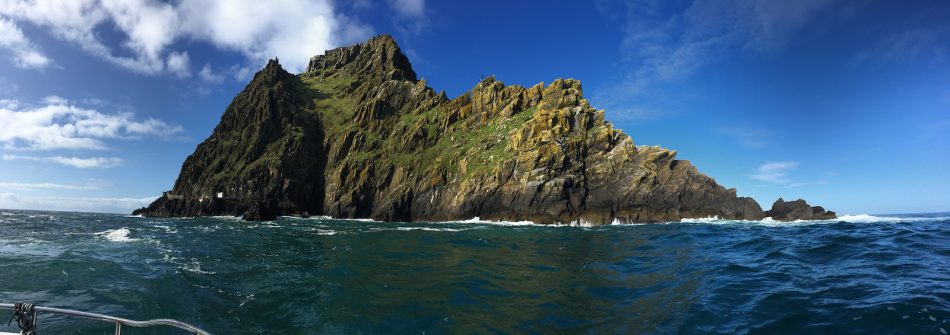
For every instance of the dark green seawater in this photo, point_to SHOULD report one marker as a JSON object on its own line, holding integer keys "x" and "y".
{"x": 860, "y": 274}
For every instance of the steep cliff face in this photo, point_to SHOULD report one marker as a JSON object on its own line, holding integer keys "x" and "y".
{"x": 358, "y": 135}
{"x": 266, "y": 153}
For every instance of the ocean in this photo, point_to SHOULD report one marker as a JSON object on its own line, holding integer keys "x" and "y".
{"x": 857, "y": 274}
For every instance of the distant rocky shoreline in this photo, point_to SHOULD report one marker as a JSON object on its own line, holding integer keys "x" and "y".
{"x": 359, "y": 136}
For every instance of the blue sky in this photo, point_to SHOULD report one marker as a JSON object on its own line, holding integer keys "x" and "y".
{"x": 843, "y": 103}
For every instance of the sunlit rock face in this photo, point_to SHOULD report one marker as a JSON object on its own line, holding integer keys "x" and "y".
{"x": 359, "y": 136}
{"x": 798, "y": 210}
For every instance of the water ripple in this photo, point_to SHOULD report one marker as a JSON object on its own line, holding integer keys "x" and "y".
{"x": 858, "y": 274}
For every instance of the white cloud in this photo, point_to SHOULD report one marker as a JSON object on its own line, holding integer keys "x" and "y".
{"x": 293, "y": 30}
{"x": 241, "y": 73}
{"x": 76, "y": 162}
{"x": 63, "y": 126}
{"x": 410, "y": 18}
{"x": 9, "y": 103}
{"x": 55, "y": 100}
{"x": 25, "y": 54}
{"x": 102, "y": 205}
{"x": 775, "y": 172}
{"x": 47, "y": 186}
{"x": 778, "y": 173}
{"x": 409, "y": 8}
{"x": 673, "y": 47}
{"x": 85, "y": 163}
{"x": 148, "y": 24}
{"x": 208, "y": 75}
{"x": 178, "y": 64}
{"x": 667, "y": 41}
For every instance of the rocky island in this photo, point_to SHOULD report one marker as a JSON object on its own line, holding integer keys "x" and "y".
{"x": 358, "y": 135}
{"x": 798, "y": 210}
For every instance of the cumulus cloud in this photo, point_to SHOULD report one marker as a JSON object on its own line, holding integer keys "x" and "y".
{"x": 178, "y": 64}
{"x": 25, "y": 54}
{"x": 775, "y": 172}
{"x": 82, "y": 204}
{"x": 208, "y": 75}
{"x": 76, "y": 162}
{"x": 293, "y": 30}
{"x": 60, "y": 125}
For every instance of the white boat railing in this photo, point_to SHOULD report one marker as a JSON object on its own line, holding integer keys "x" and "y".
{"x": 119, "y": 322}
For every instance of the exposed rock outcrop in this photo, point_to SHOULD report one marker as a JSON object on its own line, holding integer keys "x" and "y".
{"x": 798, "y": 210}
{"x": 358, "y": 135}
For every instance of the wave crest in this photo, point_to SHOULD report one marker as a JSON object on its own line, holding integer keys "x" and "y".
{"x": 117, "y": 235}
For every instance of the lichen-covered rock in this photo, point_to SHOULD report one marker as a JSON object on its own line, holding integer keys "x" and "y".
{"x": 798, "y": 210}
{"x": 358, "y": 135}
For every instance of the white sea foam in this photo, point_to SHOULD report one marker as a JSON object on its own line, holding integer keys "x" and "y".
{"x": 195, "y": 267}
{"x": 247, "y": 299}
{"x": 862, "y": 218}
{"x": 582, "y": 223}
{"x": 319, "y": 218}
{"x": 478, "y": 220}
{"x": 325, "y": 217}
{"x": 117, "y": 235}
{"x": 28, "y": 246}
{"x": 859, "y": 218}
{"x": 865, "y": 218}
{"x": 768, "y": 221}
{"x": 326, "y": 232}
{"x": 169, "y": 230}
{"x": 711, "y": 219}
{"x": 428, "y": 229}
{"x": 228, "y": 217}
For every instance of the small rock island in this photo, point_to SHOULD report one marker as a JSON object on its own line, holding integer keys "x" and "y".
{"x": 798, "y": 210}
{"x": 358, "y": 135}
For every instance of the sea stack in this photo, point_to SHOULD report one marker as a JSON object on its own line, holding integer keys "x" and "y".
{"x": 798, "y": 210}
{"x": 358, "y": 135}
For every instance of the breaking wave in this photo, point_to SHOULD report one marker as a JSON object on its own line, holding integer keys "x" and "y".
{"x": 858, "y": 218}
{"x": 478, "y": 220}
{"x": 117, "y": 235}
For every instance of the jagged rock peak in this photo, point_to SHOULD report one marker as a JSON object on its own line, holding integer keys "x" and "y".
{"x": 273, "y": 64}
{"x": 380, "y": 56}
{"x": 271, "y": 73}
